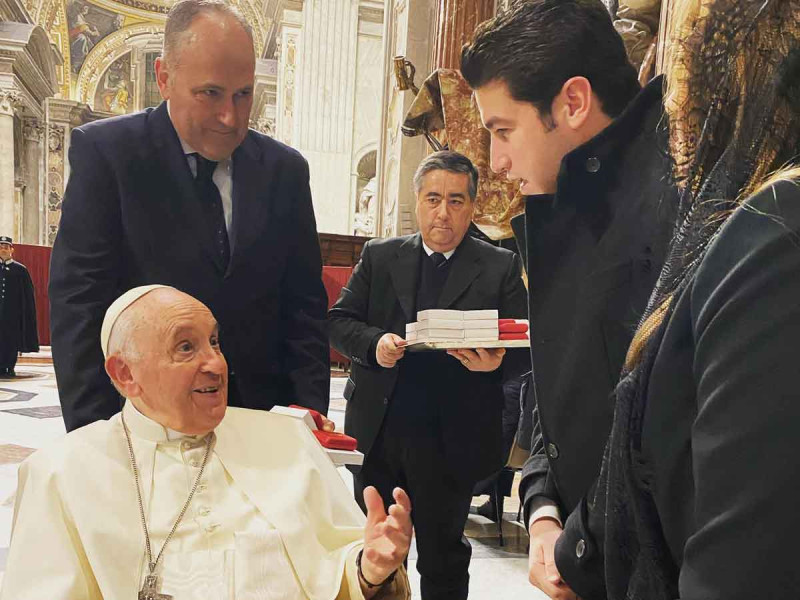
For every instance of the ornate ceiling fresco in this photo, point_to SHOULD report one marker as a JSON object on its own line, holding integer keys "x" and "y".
{"x": 95, "y": 36}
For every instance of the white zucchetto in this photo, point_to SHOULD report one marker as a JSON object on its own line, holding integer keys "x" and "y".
{"x": 118, "y": 307}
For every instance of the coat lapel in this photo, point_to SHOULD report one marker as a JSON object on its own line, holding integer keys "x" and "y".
{"x": 172, "y": 164}
{"x": 254, "y": 185}
{"x": 465, "y": 268}
{"x": 405, "y": 273}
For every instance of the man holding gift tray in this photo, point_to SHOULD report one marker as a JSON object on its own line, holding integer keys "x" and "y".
{"x": 429, "y": 422}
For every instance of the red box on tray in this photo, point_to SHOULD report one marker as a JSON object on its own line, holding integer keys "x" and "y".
{"x": 329, "y": 439}
{"x": 335, "y": 440}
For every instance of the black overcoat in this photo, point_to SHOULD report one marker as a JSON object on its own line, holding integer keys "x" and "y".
{"x": 594, "y": 251}
{"x": 698, "y": 492}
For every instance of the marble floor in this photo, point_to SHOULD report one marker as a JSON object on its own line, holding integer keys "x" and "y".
{"x": 30, "y": 416}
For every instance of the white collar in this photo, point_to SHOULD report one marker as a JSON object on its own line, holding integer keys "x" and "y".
{"x": 146, "y": 428}
{"x": 429, "y": 251}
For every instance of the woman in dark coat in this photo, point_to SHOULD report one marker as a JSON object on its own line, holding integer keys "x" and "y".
{"x": 699, "y": 492}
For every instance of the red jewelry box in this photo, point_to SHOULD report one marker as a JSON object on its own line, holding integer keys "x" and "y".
{"x": 335, "y": 440}
{"x": 329, "y": 439}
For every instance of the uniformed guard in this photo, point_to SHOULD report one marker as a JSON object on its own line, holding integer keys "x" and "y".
{"x": 17, "y": 310}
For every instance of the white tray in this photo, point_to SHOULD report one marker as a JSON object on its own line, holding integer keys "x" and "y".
{"x": 450, "y": 345}
{"x": 344, "y": 457}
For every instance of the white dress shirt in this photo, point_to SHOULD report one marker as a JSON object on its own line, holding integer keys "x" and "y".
{"x": 430, "y": 251}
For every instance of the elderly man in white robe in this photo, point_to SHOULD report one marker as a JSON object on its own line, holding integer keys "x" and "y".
{"x": 179, "y": 497}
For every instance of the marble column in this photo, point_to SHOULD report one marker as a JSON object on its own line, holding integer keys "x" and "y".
{"x": 455, "y": 23}
{"x": 324, "y": 99}
{"x": 32, "y": 205}
{"x": 9, "y": 99}
{"x": 409, "y": 27}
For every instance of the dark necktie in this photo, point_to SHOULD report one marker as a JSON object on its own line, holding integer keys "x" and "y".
{"x": 438, "y": 259}
{"x": 212, "y": 206}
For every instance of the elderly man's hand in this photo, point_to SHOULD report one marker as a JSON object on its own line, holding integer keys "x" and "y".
{"x": 480, "y": 359}
{"x": 387, "y": 537}
{"x": 542, "y": 571}
{"x": 391, "y": 348}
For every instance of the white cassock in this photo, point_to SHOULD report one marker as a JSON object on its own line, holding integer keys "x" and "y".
{"x": 271, "y": 518}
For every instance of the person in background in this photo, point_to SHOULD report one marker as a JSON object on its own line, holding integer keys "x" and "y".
{"x": 18, "y": 330}
{"x": 429, "y": 422}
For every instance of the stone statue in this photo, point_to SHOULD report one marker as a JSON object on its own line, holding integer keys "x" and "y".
{"x": 364, "y": 222}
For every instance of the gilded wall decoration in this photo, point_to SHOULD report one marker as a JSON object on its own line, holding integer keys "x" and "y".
{"x": 88, "y": 24}
{"x": 289, "y": 46}
{"x": 55, "y": 178}
{"x": 105, "y": 54}
{"x": 156, "y": 11}
{"x": 115, "y": 90}
{"x": 59, "y": 34}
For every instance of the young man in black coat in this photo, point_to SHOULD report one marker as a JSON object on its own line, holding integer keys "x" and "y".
{"x": 186, "y": 195}
{"x": 568, "y": 120}
{"x": 429, "y": 422}
{"x": 18, "y": 332}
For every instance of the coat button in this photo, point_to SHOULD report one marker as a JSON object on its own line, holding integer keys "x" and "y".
{"x": 552, "y": 450}
{"x": 580, "y": 548}
{"x": 593, "y": 164}
{"x": 386, "y": 400}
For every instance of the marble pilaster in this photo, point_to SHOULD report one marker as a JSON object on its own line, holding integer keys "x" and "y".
{"x": 9, "y": 101}
{"x": 264, "y": 112}
{"x": 62, "y": 117}
{"x": 409, "y": 27}
{"x": 328, "y": 96}
{"x": 455, "y": 23}
{"x": 323, "y": 127}
{"x": 287, "y": 50}
{"x": 32, "y": 205}
{"x": 367, "y": 119}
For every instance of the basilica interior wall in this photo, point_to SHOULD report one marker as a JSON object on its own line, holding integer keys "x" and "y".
{"x": 319, "y": 92}
{"x": 325, "y": 85}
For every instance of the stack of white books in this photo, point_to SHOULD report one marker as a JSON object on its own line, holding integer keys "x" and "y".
{"x": 444, "y": 325}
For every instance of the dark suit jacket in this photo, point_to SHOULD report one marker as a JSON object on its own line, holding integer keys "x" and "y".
{"x": 380, "y": 298}
{"x": 594, "y": 251}
{"x": 715, "y": 450}
{"x": 130, "y": 218}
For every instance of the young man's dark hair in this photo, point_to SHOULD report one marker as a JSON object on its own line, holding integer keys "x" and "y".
{"x": 540, "y": 44}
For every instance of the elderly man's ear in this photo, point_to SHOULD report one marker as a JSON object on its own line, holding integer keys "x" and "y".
{"x": 120, "y": 374}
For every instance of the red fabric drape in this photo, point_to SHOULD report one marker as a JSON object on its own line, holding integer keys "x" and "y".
{"x": 37, "y": 260}
{"x": 334, "y": 279}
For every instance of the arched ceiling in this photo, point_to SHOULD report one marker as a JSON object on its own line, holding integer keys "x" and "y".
{"x": 58, "y": 18}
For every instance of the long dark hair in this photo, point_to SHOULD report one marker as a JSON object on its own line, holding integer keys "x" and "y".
{"x": 733, "y": 99}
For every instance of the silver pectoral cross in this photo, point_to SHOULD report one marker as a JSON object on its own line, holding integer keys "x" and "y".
{"x": 150, "y": 590}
